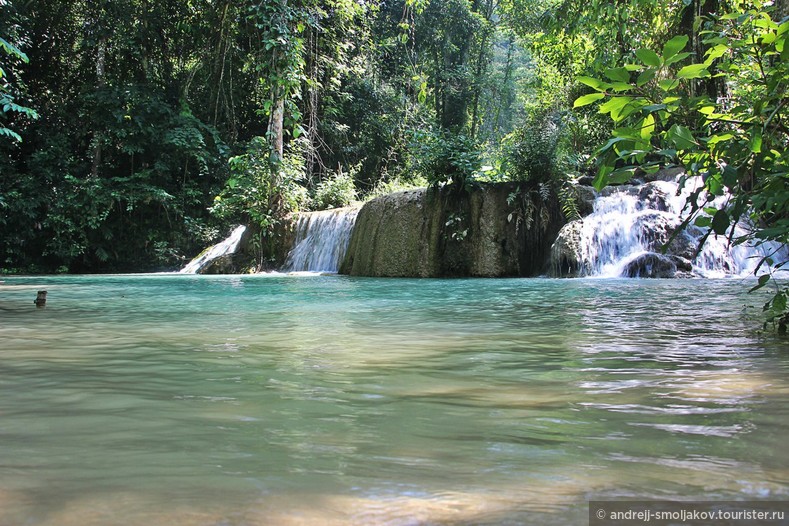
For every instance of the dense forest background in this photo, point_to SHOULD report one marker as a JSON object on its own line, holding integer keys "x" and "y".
{"x": 135, "y": 132}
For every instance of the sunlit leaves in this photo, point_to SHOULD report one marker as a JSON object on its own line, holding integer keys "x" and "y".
{"x": 693, "y": 71}
{"x": 674, "y": 46}
{"x": 587, "y": 99}
{"x": 739, "y": 144}
{"x": 648, "y": 57}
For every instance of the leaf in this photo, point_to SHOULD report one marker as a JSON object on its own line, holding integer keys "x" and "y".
{"x": 648, "y": 127}
{"x": 618, "y": 74}
{"x": 674, "y": 46}
{"x": 763, "y": 279}
{"x": 677, "y": 58}
{"x": 593, "y": 83}
{"x": 715, "y": 139}
{"x": 646, "y": 76}
{"x": 756, "y": 140}
{"x": 694, "y": 71}
{"x": 720, "y": 222}
{"x": 730, "y": 176}
{"x": 716, "y": 52}
{"x": 9, "y": 133}
{"x": 588, "y": 99}
{"x": 621, "y": 86}
{"x": 622, "y": 175}
{"x": 668, "y": 84}
{"x": 681, "y": 137}
{"x": 617, "y": 107}
{"x": 648, "y": 57}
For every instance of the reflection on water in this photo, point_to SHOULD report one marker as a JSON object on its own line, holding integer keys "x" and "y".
{"x": 328, "y": 400}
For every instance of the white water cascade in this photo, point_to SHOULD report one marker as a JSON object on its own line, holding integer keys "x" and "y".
{"x": 629, "y": 225}
{"x": 208, "y": 256}
{"x": 321, "y": 240}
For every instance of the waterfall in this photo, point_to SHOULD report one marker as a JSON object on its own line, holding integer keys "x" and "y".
{"x": 210, "y": 255}
{"x": 321, "y": 240}
{"x": 629, "y": 226}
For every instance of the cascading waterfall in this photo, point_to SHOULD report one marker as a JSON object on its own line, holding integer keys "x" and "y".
{"x": 629, "y": 225}
{"x": 321, "y": 240}
{"x": 210, "y": 255}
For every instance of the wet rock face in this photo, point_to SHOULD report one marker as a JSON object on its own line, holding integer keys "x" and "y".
{"x": 503, "y": 229}
{"x": 650, "y": 265}
{"x": 566, "y": 253}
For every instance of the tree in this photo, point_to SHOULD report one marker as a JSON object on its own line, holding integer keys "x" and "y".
{"x": 737, "y": 144}
{"x": 8, "y": 90}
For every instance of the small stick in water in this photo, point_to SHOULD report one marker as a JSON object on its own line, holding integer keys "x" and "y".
{"x": 41, "y": 298}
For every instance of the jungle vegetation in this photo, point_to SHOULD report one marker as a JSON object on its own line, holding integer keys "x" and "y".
{"x": 135, "y": 132}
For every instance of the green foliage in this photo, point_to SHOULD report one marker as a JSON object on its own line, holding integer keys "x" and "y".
{"x": 395, "y": 185}
{"x": 250, "y": 193}
{"x": 738, "y": 143}
{"x": 531, "y": 153}
{"x": 335, "y": 191}
{"x": 8, "y": 89}
{"x": 443, "y": 158}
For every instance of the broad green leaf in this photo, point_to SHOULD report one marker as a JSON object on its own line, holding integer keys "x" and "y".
{"x": 593, "y": 83}
{"x": 681, "y": 137}
{"x": 655, "y": 107}
{"x": 756, "y": 140}
{"x": 621, "y": 175}
{"x": 668, "y": 84}
{"x": 716, "y": 52}
{"x": 648, "y": 127}
{"x": 763, "y": 279}
{"x": 768, "y": 39}
{"x": 587, "y": 99}
{"x": 627, "y": 133}
{"x": 646, "y": 76}
{"x": 607, "y": 146}
{"x": 621, "y": 86}
{"x": 618, "y": 74}
{"x": 674, "y": 46}
{"x": 715, "y": 139}
{"x": 615, "y": 104}
{"x": 720, "y": 222}
{"x": 648, "y": 57}
{"x": 703, "y": 221}
{"x": 730, "y": 176}
{"x": 601, "y": 179}
{"x": 677, "y": 58}
{"x": 694, "y": 71}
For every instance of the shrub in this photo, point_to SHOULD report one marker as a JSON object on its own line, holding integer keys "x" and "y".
{"x": 442, "y": 157}
{"x": 335, "y": 191}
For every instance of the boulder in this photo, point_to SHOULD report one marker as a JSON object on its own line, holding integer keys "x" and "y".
{"x": 650, "y": 265}
{"x": 585, "y": 197}
{"x": 566, "y": 252}
{"x": 500, "y": 229}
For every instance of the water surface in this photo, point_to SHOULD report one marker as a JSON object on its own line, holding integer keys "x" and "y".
{"x": 252, "y": 400}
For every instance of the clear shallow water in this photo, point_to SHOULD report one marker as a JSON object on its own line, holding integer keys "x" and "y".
{"x": 257, "y": 400}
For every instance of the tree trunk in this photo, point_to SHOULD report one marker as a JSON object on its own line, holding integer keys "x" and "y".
{"x": 781, "y": 10}
{"x": 101, "y": 59}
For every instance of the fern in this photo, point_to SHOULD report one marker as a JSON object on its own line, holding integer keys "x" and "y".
{"x": 545, "y": 191}
{"x": 568, "y": 199}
